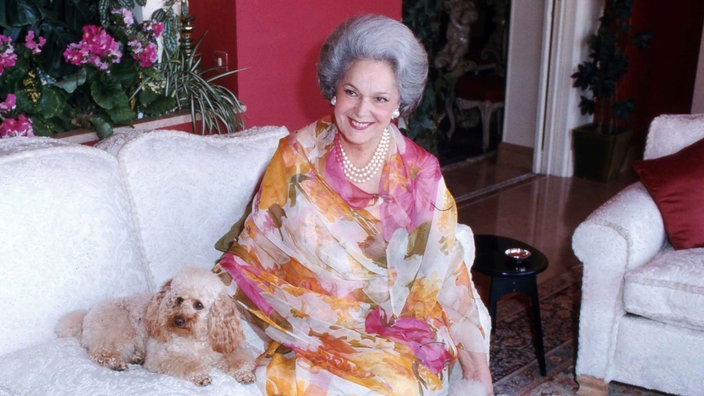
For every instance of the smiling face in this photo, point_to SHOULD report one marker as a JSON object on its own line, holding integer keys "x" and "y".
{"x": 366, "y": 97}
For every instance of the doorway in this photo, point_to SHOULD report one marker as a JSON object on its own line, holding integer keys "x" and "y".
{"x": 488, "y": 130}
{"x": 473, "y": 124}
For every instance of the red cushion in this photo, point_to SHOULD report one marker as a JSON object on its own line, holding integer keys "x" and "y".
{"x": 676, "y": 183}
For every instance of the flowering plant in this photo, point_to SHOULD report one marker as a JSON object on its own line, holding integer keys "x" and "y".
{"x": 20, "y": 126}
{"x": 106, "y": 77}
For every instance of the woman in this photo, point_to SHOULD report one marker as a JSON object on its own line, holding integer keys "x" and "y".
{"x": 348, "y": 260}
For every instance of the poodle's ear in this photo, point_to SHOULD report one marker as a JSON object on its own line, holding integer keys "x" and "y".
{"x": 153, "y": 318}
{"x": 224, "y": 328}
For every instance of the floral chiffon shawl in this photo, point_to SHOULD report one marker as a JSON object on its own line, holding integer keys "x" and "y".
{"x": 360, "y": 293}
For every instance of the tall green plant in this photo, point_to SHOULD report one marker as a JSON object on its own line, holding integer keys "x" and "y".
{"x": 607, "y": 63}
{"x": 195, "y": 90}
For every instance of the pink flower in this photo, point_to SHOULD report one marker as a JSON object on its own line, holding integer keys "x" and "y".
{"x": 153, "y": 29}
{"x": 125, "y": 14}
{"x": 9, "y": 104}
{"x": 8, "y": 57}
{"x": 415, "y": 334}
{"x": 97, "y": 48}
{"x": 35, "y": 47}
{"x": 146, "y": 56}
{"x": 22, "y": 126}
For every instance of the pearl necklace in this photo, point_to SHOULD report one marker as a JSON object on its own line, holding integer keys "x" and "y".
{"x": 366, "y": 173}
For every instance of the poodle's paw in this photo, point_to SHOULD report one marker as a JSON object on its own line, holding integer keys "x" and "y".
{"x": 245, "y": 377}
{"x": 110, "y": 361}
{"x": 137, "y": 358}
{"x": 241, "y": 370}
{"x": 201, "y": 379}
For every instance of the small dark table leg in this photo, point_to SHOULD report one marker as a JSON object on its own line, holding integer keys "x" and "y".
{"x": 538, "y": 328}
{"x": 502, "y": 285}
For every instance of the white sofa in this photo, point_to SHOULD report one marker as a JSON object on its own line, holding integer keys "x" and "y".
{"x": 80, "y": 224}
{"x": 642, "y": 310}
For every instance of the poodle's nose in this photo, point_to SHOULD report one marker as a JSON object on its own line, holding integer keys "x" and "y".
{"x": 179, "y": 321}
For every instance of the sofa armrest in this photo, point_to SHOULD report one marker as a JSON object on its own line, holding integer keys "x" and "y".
{"x": 624, "y": 233}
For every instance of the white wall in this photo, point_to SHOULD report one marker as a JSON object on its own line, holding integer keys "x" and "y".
{"x": 547, "y": 39}
{"x": 565, "y": 47}
{"x": 523, "y": 72}
{"x": 143, "y": 13}
{"x": 698, "y": 94}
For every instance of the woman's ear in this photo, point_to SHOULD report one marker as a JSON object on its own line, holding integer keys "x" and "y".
{"x": 154, "y": 318}
{"x": 224, "y": 328}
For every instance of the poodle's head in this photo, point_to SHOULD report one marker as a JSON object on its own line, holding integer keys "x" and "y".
{"x": 194, "y": 304}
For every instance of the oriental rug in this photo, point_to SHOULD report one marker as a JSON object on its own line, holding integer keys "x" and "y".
{"x": 514, "y": 365}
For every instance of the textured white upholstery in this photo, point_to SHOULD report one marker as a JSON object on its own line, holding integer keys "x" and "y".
{"x": 671, "y": 132}
{"x": 179, "y": 224}
{"x": 668, "y": 288}
{"x": 62, "y": 367}
{"x": 67, "y": 237}
{"x": 80, "y": 224}
{"x": 642, "y": 311}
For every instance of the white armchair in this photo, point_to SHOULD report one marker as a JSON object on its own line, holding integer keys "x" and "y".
{"x": 642, "y": 312}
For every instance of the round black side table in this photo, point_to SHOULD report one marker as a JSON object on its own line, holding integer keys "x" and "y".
{"x": 510, "y": 275}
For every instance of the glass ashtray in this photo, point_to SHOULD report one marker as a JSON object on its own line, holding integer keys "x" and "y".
{"x": 518, "y": 254}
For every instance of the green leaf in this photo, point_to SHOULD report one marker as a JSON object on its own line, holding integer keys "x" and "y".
{"x": 104, "y": 12}
{"x": 102, "y": 127}
{"x": 75, "y": 14}
{"x": 73, "y": 81}
{"x": 51, "y": 103}
{"x": 20, "y": 13}
{"x": 162, "y": 104}
{"x": 147, "y": 96}
{"x": 108, "y": 94}
{"x": 122, "y": 115}
{"x": 42, "y": 127}
{"x": 124, "y": 72}
{"x": 642, "y": 40}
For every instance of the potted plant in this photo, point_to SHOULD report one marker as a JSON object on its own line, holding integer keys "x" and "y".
{"x": 65, "y": 70}
{"x": 600, "y": 147}
{"x": 82, "y": 64}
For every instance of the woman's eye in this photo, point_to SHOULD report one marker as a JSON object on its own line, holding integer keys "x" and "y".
{"x": 198, "y": 305}
{"x": 350, "y": 92}
{"x": 381, "y": 100}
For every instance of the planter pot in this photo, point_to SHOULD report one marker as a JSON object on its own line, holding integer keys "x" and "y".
{"x": 598, "y": 156}
{"x": 180, "y": 121}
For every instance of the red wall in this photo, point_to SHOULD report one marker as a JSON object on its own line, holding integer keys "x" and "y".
{"x": 661, "y": 78}
{"x": 214, "y": 21}
{"x": 277, "y": 41}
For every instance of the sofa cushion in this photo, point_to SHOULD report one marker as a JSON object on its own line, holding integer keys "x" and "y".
{"x": 188, "y": 189}
{"x": 62, "y": 367}
{"x": 675, "y": 182}
{"x": 669, "y": 289}
{"x": 68, "y": 238}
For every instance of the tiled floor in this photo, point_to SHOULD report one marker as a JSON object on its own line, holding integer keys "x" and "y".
{"x": 540, "y": 210}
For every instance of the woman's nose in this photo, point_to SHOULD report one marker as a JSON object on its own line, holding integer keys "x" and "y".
{"x": 361, "y": 106}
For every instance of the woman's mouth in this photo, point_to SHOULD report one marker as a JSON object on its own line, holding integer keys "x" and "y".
{"x": 359, "y": 125}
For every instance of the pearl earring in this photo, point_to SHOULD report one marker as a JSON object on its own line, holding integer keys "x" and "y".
{"x": 333, "y": 101}
{"x": 395, "y": 114}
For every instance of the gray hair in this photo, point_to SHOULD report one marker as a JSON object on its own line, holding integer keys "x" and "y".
{"x": 379, "y": 38}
